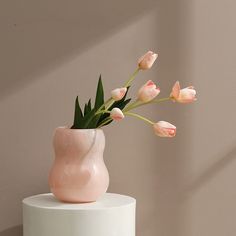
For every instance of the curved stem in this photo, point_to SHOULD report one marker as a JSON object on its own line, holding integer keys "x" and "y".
{"x": 139, "y": 117}
{"x": 131, "y": 105}
{"x": 104, "y": 104}
{"x": 128, "y": 83}
{"x": 101, "y": 112}
{"x": 110, "y": 104}
{"x": 108, "y": 101}
{"x": 160, "y": 100}
{"x": 144, "y": 103}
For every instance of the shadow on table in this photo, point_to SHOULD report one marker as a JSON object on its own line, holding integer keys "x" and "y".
{"x": 13, "y": 231}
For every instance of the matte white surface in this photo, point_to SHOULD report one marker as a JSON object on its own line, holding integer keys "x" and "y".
{"x": 112, "y": 215}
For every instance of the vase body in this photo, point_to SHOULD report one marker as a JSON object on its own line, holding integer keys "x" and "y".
{"x": 78, "y": 173}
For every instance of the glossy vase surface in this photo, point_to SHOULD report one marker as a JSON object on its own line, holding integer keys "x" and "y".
{"x": 78, "y": 173}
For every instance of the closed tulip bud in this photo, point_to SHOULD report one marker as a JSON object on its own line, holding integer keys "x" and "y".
{"x": 146, "y": 61}
{"x": 186, "y": 95}
{"x": 148, "y": 91}
{"x": 164, "y": 129}
{"x": 116, "y": 114}
{"x": 119, "y": 93}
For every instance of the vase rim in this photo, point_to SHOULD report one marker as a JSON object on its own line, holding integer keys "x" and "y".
{"x": 68, "y": 128}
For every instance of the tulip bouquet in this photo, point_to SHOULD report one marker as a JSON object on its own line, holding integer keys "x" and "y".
{"x": 118, "y": 106}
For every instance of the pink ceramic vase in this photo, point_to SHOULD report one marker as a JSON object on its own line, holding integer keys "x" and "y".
{"x": 78, "y": 173}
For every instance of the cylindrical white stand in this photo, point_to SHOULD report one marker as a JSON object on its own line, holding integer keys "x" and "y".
{"x": 112, "y": 215}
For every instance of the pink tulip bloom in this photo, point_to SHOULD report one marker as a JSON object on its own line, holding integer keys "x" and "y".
{"x": 164, "y": 129}
{"x": 116, "y": 114}
{"x": 148, "y": 91}
{"x": 119, "y": 93}
{"x": 146, "y": 61}
{"x": 186, "y": 95}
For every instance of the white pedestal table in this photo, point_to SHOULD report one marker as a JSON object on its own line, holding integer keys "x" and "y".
{"x": 112, "y": 215}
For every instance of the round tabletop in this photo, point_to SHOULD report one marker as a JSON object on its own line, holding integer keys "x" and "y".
{"x": 107, "y": 201}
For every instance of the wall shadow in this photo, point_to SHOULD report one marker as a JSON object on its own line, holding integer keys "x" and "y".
{"x": 37, "y": 36}
{"x": 208, "y": 174}
{"x": 13, "y": 231}
{"x": 169, "y": 214}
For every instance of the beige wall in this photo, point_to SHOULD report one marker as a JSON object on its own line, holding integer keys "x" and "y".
{"x": 50, "y": 51}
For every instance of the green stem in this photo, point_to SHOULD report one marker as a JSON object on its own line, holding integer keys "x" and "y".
{"x": 101, "y": 112}
{"x": 132, "y": 105}
{"x": 110, "y": 104}
{"x": 160, "y": 100}
{"x": 139, "y": 117}
{"x": 108, "y": 119}
{"x": 128, "y": 83}
{"x": 139, "y": 104}
{"x": 104, "y": 104}
{"x": 110, "y": 101}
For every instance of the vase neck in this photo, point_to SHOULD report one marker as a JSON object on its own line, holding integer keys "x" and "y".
{"x": 79, "y": 144}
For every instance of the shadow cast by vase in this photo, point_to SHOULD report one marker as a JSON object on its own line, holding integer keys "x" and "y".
{"x": 13, "y": 231}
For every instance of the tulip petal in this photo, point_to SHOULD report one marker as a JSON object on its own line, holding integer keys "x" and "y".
{"x": 175, "y": 90}
{"x": 119, "y": 93}
{"x": 164, "y": 129}
{"x": 116, "y": 114}
{"x": 146, "y": 61}
{"x": 148, "y": 91}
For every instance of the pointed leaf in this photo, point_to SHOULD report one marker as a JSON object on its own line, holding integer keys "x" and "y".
{"x": 99, "y": 101}
{"x": 89, "y": 105}
{"x": 88, "y": 118}
{"x": 85, "y": 109}
{"x": 78, "y": 116}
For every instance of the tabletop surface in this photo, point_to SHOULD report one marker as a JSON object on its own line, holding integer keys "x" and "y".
{"x": 108, "y": 200}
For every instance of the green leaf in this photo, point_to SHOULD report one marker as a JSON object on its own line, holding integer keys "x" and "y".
{"x": 123, "y": 104}
{"x": 94, "y": 122}
{"x": 89, "y": 105}
{"x": 78, "y": 116}
{"x": 99, "y": 101}
{"x": 106, "y": 120}
{"x": 88, "y": 118}
{"x": 86, "y": 109}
